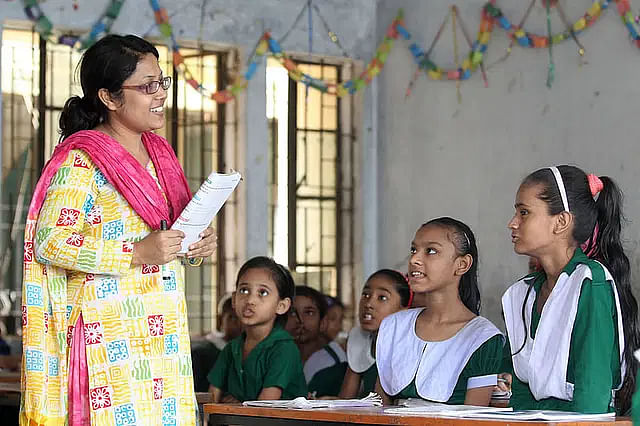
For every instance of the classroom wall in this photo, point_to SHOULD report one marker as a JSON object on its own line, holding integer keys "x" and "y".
{"x": 438, "y": 157}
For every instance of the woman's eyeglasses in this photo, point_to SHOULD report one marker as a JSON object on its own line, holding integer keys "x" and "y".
{"x": 153, "y": 86}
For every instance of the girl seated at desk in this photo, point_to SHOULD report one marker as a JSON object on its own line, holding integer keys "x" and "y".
{"x": 264, "y": 361}
{"x": 385, "y": 292}
{"x": 443, "y": 352}
{"x": 572, "y": 326}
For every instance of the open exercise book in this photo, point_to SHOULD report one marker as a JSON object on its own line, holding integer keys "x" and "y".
{"x": 426, "y": 408}
{"x": 302, "y": 403}
{"x": 204, "y": 206}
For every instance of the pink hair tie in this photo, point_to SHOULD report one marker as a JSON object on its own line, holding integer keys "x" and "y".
{"x": 595, "y": 184}
{"x": 591, "y": 241}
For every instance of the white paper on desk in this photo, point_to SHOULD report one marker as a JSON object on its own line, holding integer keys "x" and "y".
{"x": 421, "y": 407}
{"x": 544, "y": 415}
{"x": 204, "y": 206}
{"x": 302, "y": 403}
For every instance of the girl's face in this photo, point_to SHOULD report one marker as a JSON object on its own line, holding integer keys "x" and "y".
{"x": 230, "y": 325}
{"x": 333, "y": 322}
{"x": 531, "y": 226}
{"x": 256, "y": 299}
{"x": 434, "y": 261}
{"x": 379, "y": 299}
{"x": 305, "y": 326}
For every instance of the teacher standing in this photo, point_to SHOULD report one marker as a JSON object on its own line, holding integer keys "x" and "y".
{"x": 105, "y": 337}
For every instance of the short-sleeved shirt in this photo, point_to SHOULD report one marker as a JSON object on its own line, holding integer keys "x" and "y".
{"x": 274, "y": 362}
{"x": 485, "y": 361}
{"x": 594, "y": 364}
{"x": 203, "y": 357}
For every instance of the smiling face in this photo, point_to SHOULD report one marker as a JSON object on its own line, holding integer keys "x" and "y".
{"x": 136, "y": 110}
{"x": 256, "y": 299}
{"x": 379, "y": 299}
{"x": 434, "y": 261}
{"x": 532, "y": 227}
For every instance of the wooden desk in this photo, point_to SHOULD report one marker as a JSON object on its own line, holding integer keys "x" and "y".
{"x": 239, "y": 415}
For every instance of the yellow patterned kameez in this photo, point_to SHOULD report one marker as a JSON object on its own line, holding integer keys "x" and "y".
{"x": 78, "y": 254}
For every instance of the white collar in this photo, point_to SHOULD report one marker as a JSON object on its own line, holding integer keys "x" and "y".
{"x": 403, "y": 357}
{"x": 548, "y": 353}
{"x": 359, "y": 350}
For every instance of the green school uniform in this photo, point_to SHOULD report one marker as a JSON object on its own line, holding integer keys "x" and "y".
{"x": 274, "y": 362}
{"x": 368, "y": 381}
{"x": 328, "y": 381}
{"x": 485, "y": 361}
{"x": 594, "y": 363}
{"x": 203, "y": 357}
{"x": 635, "y": 403}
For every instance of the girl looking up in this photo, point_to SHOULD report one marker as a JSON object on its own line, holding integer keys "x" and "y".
{"x": 444, "y": 351}
{"x": 263, "y": 362}
{"x": 572, "y": 326}
{"x": 385, "y": 292}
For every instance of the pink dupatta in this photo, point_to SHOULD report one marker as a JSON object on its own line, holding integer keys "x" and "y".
{"x": 126, "y": 174}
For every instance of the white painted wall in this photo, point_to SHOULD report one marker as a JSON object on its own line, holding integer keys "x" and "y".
{"x": 439, "y": 158}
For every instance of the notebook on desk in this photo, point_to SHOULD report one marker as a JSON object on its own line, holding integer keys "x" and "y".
{"x": 302, "y": 403}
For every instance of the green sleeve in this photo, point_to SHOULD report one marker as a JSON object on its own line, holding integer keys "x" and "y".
{"x": 635, "y": 404}
{"x": 219, "y": 374}
{"x": 487, "y": 359}
{"x": 594, "y": 348}
{"x": 283, "y": 363}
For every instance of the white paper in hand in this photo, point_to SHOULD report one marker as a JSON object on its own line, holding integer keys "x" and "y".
{"x": 204, "y": 206}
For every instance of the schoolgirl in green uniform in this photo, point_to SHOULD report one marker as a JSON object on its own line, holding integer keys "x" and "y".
{"x": 264, "y": 361}
{"x": 442, "y": 352}
{"x": 385, "y": 292}
{"x": 324, "y": 364}
{"x": 572, "y": 326}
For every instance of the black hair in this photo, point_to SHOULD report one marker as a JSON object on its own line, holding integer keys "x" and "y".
{"x": 227, "y": 306}
{"x": 280, "y": 276}
{"x": 318, "y": 298}
{"x": 606, "y": 213}
{"x": 105, "y": 65}
{"x": 465, "y": 243}
{"x": 332, "y": 301}
{"x": 399, "y": 283}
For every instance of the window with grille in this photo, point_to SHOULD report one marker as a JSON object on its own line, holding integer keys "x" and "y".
{"x": 201, "y": 131}
{"x": 312, "y": 178}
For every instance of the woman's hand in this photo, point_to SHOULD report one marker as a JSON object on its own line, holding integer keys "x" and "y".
{"x": 504, "y": 382}
{"x": 157, "y": 248}
{"x": 206, "y": 246}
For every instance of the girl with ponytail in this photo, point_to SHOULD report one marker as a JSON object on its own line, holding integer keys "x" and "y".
{"x": 444, "y": 351}
{"x": 577, "y": 353}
